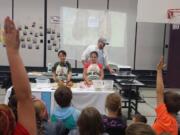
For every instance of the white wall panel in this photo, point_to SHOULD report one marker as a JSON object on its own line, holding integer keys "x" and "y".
{"x": 93, "y": 4}
{"x": 155, "y": 11}
{"x": 125, "y": 56}
{"x": 54, "y": 10}
{"x": 5, "y": 10}
{"x": 149, "y": 45}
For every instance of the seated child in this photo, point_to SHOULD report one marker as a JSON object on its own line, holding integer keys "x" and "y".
{"x": 89, "y": 123}
{"x": 114, "y": 123}
{"x": 139, "y": 118}
{"x": 139, "y": 128}
{"x": 93, "y": 70}
{"x": 168, "y": 105}
{"x": 178, "y": 120}
{"x": 64, "y": 111}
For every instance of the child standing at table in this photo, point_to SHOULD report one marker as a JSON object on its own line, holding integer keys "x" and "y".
{"x": 93, "y": 70}
{"x": 62, "y": 71}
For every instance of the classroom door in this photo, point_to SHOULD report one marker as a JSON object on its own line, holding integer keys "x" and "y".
{"x": 173, "y": 67}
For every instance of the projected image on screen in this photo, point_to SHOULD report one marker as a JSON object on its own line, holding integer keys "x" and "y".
{"x": 82, "y": 27}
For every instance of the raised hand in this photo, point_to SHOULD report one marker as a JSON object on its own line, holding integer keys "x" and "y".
{"x": 161, "y": 64}
{"x": 11, "y": 35}
{"x": 25, "y": 109}
{"x": 159, "y": 82}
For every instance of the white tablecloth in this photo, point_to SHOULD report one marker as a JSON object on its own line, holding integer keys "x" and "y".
{"x": 81, "y": 97}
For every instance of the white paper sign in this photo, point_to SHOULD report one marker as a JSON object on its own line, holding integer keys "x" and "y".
{"x": 93, "y": 22}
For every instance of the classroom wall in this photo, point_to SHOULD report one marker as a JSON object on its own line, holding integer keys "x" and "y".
{"x": 130, "y": 8}
{"x": 54, "y": 10}
{"x": 149, "y": 35}
{"x": 149, "y": 46}
{"x": 25, "y": 13}
{"x": 5, "y": 7}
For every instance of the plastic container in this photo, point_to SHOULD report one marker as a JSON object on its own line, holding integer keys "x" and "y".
{"x": 42, "y": 80}
{"x": 108, "y": 84}
{"x": 103, "y": 84}
{"x": 98, "y": 84}
{"x": 49, "y": 68}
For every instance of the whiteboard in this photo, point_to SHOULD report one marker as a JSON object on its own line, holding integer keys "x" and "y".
{"x": 156, "y": 11}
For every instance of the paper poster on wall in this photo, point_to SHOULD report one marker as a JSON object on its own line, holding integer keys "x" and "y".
{"x": 1, "y": 37}
{"x": 49, "y": 47}
{"x": 23, "y": 45}
{"x": 93, "y": 22}
{"x": 37, "y": 47}
{"x": 29, "y": 46}
{"x": 54, "y": 19}
{"x": 56, "y": 49}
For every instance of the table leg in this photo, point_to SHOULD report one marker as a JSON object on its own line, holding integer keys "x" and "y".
{"x": 129, "y": 102}
{"x": 136, "y": 99}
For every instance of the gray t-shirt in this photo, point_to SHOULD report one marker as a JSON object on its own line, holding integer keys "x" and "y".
{"x": 62, "y": 69}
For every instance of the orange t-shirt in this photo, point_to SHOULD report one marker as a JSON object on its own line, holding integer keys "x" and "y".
{"x": 165, "y": 122}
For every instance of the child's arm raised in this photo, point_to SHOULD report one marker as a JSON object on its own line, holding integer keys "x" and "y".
{"x": 159, "y": 82}
{"x": 25, "y": 109}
